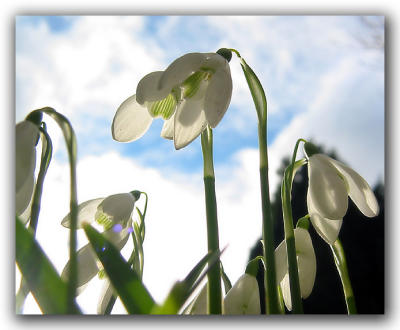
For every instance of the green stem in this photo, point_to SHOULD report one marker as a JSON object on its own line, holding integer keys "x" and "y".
{"x": 297, "y": 305}
{"x": 272, "y": 306}
{"x": 214, "y": 275}
{"x": 341, "y": 265}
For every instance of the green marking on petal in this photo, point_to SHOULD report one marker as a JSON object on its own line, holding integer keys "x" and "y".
{"x": 192, "y": 84}
{"x": 105, "y": 221}
{"x": 163, "y": 108}
{"x": 101, "y": 274}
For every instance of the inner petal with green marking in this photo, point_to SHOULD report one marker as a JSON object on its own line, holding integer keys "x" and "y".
{"x": 164, "y": 108}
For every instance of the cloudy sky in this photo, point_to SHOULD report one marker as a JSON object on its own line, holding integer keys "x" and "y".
{"x": 324, "y": 80}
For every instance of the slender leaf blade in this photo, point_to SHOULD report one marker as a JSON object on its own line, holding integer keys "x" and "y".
{"x": 49, "y": 290}
{"x": 130, "y": 289}
{"x": 256, "y": 89}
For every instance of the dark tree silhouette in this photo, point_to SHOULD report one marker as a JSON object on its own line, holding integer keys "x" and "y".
{"x": 363, "y": 241}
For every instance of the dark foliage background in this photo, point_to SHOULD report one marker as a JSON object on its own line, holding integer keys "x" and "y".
{"x": 363, "y": 242}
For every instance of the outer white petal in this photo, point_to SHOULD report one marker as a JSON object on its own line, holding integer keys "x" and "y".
{"x": 199, "y": 304}
{"x": 326, "y": 188}
{"x": 24, "y": 195}
{"x": 87, "y": 265}
{"x": 285, "y": 287}
{"x": 117, "y": 207}
{"x": 167, "y": 131}
{"x": 190, "y": 121}
{"x": 86, "y": 213}
{"x": 243, "y": 297}
{"x": 26, "y": 134}
{"x": 131, "y": 121}
{"x": 307, "y": 266}
{"x": 328, "y": 229}
{"x": 105, "y": 296}
{"x": 359, "y": 190}
{"x": 306, "y": 260}
{"x": 281, "y": 263}
{"x": 147, "y": 88}
{"x": 218, "y": 95}
{"x": 180, "y": 69}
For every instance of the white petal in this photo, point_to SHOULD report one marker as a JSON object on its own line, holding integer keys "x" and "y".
{"x": 326, "y": 188}
{"x": 26, "y": 134}
{"x": 105, "y": 296}
{"x": 307, "y": 262}
{"x": 326, "y": 228}
{"x": 359, "y": 190}
{"x": 117, "y": 207}
{"x": 24, "y": 195}
{"x": 199, "y": 304}
{"x": 190, "y": 121}
{"x": 180, "y": 69}
{"x": 281, "y": 263}
{"x": 87, "y": 265}
{"x": 86, "y": 213}
{"x": 285, "y": 287}
{"x": 218, "y": 96}
{"x": 167, "y": 131}
{"x": 118, "y": 236}
{"x": 147, "y": 88}
{"x": 131, "y": 121}
{"x": 243, "y": 297}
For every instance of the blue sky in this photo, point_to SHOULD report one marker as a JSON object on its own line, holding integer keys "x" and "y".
{"x": 323, "y": 76}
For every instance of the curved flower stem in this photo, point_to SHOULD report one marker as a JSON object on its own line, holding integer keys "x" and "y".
{"x": 70, "y": 140}
{"x": 289, "y": 234}
{"x": 341, "y": 265}
{"x": 214, "y": 275}
{"x": 47, "y": 150}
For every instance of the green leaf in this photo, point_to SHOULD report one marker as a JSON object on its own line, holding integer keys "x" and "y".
{"x": 226, "y": 280}
{"x": 130, "y": 289}
{"x": 182, "y": 290}
{"x": 256, "y": 89}
{"x": 49, "y": 290}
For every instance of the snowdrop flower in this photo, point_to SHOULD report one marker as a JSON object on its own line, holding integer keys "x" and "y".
{"x": 243, "y": 297}
{"x": 193, "y": 92}
{"x": 114, "y": 214}
{"x": 307, "y": 266}
{"x": 330, "y": 184}
{"x": 26, "y": 137}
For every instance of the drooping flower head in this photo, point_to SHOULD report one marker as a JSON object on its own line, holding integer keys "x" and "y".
{"x": 193, "y": 92}
{"x": 114, "y": 214}
{"x": 330, "y": 184}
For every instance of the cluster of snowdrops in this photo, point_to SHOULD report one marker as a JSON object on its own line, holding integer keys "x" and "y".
{"x": 191, "y": 96}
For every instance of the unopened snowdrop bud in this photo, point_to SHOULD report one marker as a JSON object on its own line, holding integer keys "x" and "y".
{"x": 307, "y": 266}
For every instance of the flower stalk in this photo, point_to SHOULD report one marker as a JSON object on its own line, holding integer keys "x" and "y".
{"x": 341, "y": 265}
{"x": 214, "y": 275}
{"x": 289, "y": 234}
